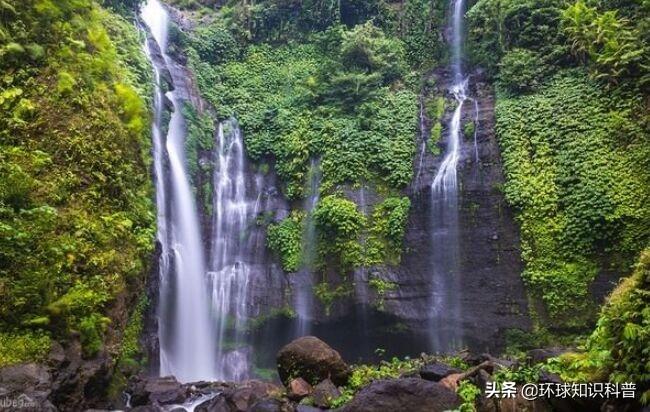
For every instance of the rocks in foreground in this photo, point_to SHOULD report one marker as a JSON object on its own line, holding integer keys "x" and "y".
{"x": 406, "y": 394}
{"x": 313, "y": 360}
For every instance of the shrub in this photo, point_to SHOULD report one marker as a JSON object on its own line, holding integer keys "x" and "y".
{"x": 521, "y": 70}
{"x": 285, "y": 239}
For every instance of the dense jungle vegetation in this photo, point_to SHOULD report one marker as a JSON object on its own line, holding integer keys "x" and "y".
{"x": 76, "y": 216}
{"x": 337, "y": 81}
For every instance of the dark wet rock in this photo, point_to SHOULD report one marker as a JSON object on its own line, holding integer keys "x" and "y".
{"x": 413, "y": 395}
{"x": 436, "y": 371}
{"x": 243, "y": 396}
{"x": 216, "y": 404}
{"x": 298, "y": 388}
{"x": 80, "y": 382}
{"x": 481, "y": 379}
{"x": 25, "y": 387}
{"x": 542, "y": 355}
{"x": 268, "y": 405}
{"x": 308, "y": 408}
{"x": 56, "y": 357}
{"x": 324, "y": 393}
{"x": 548, "y": 377}
{"x": 146, "y": 408}
{"x": 313, "y": 360}
{"x": 159, "y": 391}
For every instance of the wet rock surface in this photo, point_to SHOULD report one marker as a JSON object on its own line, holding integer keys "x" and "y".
{"x": 409, "y": 394}
{"x": 313, "y": 360}
{"x": 436, "y": 371}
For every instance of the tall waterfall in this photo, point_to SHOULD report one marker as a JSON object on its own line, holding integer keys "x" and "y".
{"x": 446, "y": 329}
{"x": 236, "y": 204}
{"x": 185, "y": 326}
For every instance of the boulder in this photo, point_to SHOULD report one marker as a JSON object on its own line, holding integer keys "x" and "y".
{"x": 298, "y": 389}
{"x": 267, "y": 405}
{"x": 313, "y": 360}
{"x": 243, "y": 396}
{"x": 26, "y": 387}
{"x": 156, "y": 391}
{"x": 408, "y": 394}
{"x": 307, "y": 408}
{"x": 436, "y": 371}
{"x": 324, "y": 393}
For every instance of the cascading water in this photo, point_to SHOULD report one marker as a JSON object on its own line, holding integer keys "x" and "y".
{"x": 304, "y": 280}
{"x": 236, "y": 205}
{"x": 185, "y": 326}
{"x": 446, "y": 331}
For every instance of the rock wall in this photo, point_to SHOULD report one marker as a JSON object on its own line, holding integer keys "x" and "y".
{"x": 493, "y": 297}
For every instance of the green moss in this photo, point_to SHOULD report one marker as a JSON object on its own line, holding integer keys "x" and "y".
{"x": 575, "y": 159}
{"x": 381, "y": 287}
{"x": 327, "y": 294}
{"x": 76, "y": 215}
{"x": 200, "y": 136}
{"x": 388, "y": 226}
{"x": 285, "y": 239}
{"x": 617, "y": 350}
{"x": 23, "y": 346}
{"x": 275, "y": 313}
{"x": 468, "y": 130}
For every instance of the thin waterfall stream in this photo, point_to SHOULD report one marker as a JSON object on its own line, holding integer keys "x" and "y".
{"x": 446, "y": 328}
{"x": 304, "y": 282}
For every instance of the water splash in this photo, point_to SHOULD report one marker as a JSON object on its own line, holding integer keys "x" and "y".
{"x": 186, "y": 333}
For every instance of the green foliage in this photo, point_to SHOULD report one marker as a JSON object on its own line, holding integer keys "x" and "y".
{"x": 76, "y": 217}
{"x": 469, "y": 393}
{"x": 328, "y": 294}
{"x": 285, "y": 239}
{"x": 292, "y": 107}
{"x": 338, "y": 218}
{"x": 618, "y": 349}
{"x": 576, "y": 163}
{"x": 286, "y": 312}
{"x": 338, "y": 224}
{"x": 215, "y": 44}
{"x": 366, "y": 48}
{"x": 614, "y": 46}
{"x": 23, "y": 346}
{"x": 388, "y": 226}
{"x": 521, "y": 374}
{"x": 521, "y": 70}
{"x": 200, "y": 136}
{"x": 130, "y": 345}
{"x": 498, "y": 26}
{"x": 381, "y": 287}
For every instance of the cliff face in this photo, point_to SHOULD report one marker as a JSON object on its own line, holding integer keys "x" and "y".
{"x": 492, "y": 294}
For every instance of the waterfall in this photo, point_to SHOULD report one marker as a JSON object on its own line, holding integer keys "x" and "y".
{"x": 185, "y": 326}
{"x": 304, "y": 279}
{"x": 236, "y": 205}
{"x": 446, "y": 331}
